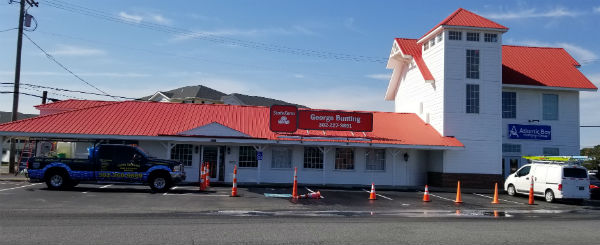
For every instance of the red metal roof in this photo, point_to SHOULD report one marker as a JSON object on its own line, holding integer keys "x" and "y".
{"x": 540, "y": 66}
{"x": 412, "y": 48}
{"x": 133, "y": 118}
{"x": 463, "y": 17}
{"x": 72, "y": 104}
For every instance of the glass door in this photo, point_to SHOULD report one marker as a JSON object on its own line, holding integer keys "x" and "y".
{"x": 210, "y": 155}
{"x": 510, "y": 164}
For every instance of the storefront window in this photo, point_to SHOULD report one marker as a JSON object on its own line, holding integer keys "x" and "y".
{"x": 248, "y": 157}
{"x": 344, "y": 158}
{"x": 282, "y": 157}
{"x": 375, "y": 159}
{"x": 182, "y": 153}
{"x": 313, "y": 158}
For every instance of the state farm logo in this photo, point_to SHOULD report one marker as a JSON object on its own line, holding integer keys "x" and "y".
{"x": 283, "y": 120}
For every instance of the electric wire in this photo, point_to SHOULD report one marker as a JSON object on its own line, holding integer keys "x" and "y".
{"x": 67, "y": 90}
{"x": 49, "y": 56}
{"x": 184, "y": 33}
{"x": 9, "y": 29}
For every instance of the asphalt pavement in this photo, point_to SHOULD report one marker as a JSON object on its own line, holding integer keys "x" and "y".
{"x": 132, "y": 214}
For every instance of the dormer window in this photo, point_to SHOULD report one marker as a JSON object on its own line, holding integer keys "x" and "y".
{"x": 432, "y": 42}
{"x": 490, "y": 38}
{"x": 473, "y": 36}
{"x": 455, "y": 35}
{"x": 439, "y": 38}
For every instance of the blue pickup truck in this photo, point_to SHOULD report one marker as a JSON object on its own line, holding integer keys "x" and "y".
{"x": 107, "y": 163}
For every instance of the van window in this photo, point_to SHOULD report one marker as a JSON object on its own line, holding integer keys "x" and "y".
{"x": 524, "y": 171}
{"x": 574, "y": 173}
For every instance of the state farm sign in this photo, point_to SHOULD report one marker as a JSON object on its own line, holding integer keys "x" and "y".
{"x": 335, "y": 120}
{"x": 283, "y": 118}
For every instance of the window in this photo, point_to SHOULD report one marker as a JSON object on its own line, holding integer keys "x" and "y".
{"x": 375, "y": 159}
{"x": 472, "y": 98}
{"x": 426, "y": 46}
{"x": 182, "y": 153}
{"x": 524, "y": 171}
{"x": 472, "y": 64}
{"x": 282, "y": 157}
{"x": 490, "y": 38}
{"x": 550, "y": 106}
{"x": 432, "y": 42}
{"x": 313, "y": 157}
{"x": 509, "y": 105}
{"x": 248, "y": 157}
{"x": 511, "y": 148}
{"x": 455, "y": 35}
{"x": 574, "y": 173}
{"x": 344, "y": 158}
{"x": 551, "y": 151}
{"x": 473, "y": 36}
{"x": 439, "y": 38}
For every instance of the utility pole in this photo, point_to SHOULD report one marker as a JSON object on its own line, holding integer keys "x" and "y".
{"x": 15, "y": 109}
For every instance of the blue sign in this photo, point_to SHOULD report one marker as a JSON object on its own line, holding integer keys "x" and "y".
{"x": 259, "y": 155}
{"x": 529, "y": 132}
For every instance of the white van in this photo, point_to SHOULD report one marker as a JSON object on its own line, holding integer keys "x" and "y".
{"x": 551, "y": 180}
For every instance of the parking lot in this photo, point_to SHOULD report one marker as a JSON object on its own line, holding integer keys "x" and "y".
{"x": 111, "y": 198}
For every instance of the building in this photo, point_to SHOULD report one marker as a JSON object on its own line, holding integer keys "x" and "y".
{"x": 5, "y": 153}
{"x": 467, "y": 108}
{"x": 502, "y": 102}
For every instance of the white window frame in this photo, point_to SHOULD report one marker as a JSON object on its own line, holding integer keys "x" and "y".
{"x": 472, "y": 98}
{"x": 426, "y": 46}
{"x": 375, "y": 160}
{"x": 341, "y": 159}
{"x": 470, "y": 36}
{"x": 183, "y": 153}
{"x": 281, "y": 157}
{"x": 455, "y": 35}
{"x": 473, "y": 60}
{"x": 247, "y": 157}
{"x": 490, "y": 37}
{"x": 313, "y": 158}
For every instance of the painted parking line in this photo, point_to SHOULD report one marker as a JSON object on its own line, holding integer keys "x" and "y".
{"x": 167, "y": 192}
{"x": 378, "y": 195}
{"x": 311, "y": 191}
{"x": 101, "y": 187}
{"x": 436, "y": 196}
{"x": 23, "y": 186}
{"x": 481, "y": 195}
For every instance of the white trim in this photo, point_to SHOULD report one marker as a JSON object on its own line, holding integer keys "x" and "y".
{"x": 546, "y": 87}
{"x": 225, "y": 140}
{"x": 159, "y": 93}
{"x": 434, "y": 32}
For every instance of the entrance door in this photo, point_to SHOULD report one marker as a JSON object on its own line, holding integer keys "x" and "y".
{"x": 510, "y": 164}
{"x": 210, "y": 155}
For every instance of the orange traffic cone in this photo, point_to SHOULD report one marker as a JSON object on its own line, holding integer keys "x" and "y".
{"x": 295, "y": 187}
{"x": 531, "y": 192}
{"x": 201, "y": 178}
{"x": 234, "y": 187}
{"x": 372, "y": 195}
{"x": 496, "y": 194}
{"x": 207, "y": 175}
{"x": 426, "y": 194}
{"x": 458, "y": 196}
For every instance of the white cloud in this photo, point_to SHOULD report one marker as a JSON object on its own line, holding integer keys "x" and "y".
{"x": 294, "y": 30}
{"x": 597, "y": 9}
{"x": 139, "y": 17}
{"x": 381, "y": 76}
{"x": 533, "y": 13}
{"x": 581, "y": 54}
{"x": 84, "y": 74}
{"x": 131, "y": 17}
{"x": 298, "y": 76}
{"x": 67, "y": 50}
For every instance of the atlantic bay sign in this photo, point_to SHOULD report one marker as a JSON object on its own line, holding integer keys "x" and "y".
{"x": 529, "y": 132}
{"x": 288, "y": 119}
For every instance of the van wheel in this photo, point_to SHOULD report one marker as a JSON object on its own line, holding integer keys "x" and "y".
{"x": 549, "y": 196}
{"x": 56, "y": 180}
{"x": 511, "y": 190}
{"x": 159, "y": 182}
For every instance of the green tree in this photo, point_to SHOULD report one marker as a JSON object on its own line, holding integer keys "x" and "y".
{"x": 593, "y": 153}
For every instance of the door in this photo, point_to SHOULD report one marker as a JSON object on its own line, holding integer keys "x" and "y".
{"x": 210, "y": 155}
{"x": 510, "y": 164}
{"x": 522, "y": 179}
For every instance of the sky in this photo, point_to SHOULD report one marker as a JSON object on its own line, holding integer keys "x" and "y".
{"x": 323, "y": 54}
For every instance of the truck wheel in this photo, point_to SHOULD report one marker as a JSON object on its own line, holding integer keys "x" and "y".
{"x": 549, "y": 196}
{"x": 511, "y": 190}
{"x": 56, "y": 180}
{"x": 159, "y": 182}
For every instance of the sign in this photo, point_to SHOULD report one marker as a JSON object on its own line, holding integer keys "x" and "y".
{"x": 259, "y": 155}
{"x": 335, "y": 120}
{"x": 529, "y": 132}
{"x": 283, "y": 118}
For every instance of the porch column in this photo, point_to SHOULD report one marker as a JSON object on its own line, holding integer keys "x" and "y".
{"x": 324, "y": 150}
{"x": 259, "y": 148}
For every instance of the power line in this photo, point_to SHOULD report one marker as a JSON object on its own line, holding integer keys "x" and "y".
{"x": 211, "y": 37}
{"x": 71, "y": 91}
{"x": 28, "y": 94}
{"x": 9, "y": 29}
{"x": 65, "y": 68}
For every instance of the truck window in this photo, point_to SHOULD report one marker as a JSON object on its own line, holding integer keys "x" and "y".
{"x": 524, "y": 171}
{"x": 574, "y": 173}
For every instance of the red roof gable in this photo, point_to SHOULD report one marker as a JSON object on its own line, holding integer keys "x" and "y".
{"x": 412, "y": 48}
{"x": 536, "y": 66}
{"x": 131, "y": 118}
{"x": 463, "y": 17}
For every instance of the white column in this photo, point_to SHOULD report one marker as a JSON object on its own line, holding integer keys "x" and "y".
{"x": 324, "y": 150}
{"x": 261, "y": 149}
